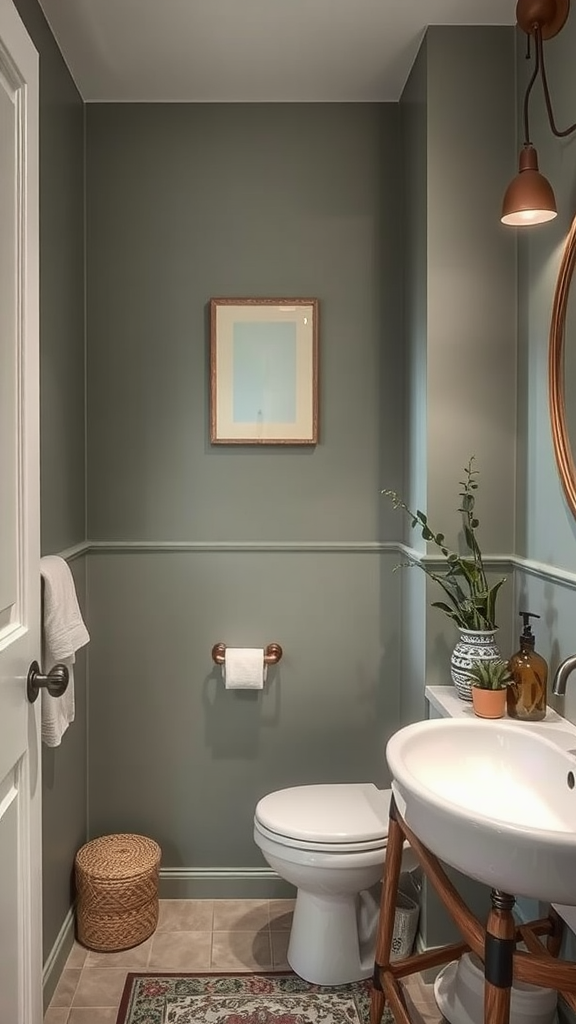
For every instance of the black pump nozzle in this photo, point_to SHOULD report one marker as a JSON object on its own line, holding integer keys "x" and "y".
{"x": 527, "y": 633}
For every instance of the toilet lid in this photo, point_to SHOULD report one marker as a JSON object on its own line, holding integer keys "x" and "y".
{"x": 349, "y": 813}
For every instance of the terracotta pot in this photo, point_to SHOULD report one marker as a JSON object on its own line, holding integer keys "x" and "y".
{"x": 488, "y": 703}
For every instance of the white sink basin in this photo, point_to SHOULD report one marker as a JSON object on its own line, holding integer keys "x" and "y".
{"x": 492, "y": 799}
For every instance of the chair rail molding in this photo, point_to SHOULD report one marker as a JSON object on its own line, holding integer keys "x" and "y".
{"x": 542, "y": 570}
{"x": 332, "y": 547}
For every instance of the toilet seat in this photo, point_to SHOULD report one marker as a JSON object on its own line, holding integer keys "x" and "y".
{"x": 301, "y": 844}
{"x": 326, "y": 818}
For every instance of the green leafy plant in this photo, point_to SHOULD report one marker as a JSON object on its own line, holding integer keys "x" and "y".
{"x": 471, "y": 602}
{"x": 490, "y": 675}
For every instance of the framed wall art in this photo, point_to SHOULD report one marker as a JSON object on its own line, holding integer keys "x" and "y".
{"x": 264, "y": 371}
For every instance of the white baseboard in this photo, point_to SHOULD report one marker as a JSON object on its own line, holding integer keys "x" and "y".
{"x": 223, "y": 883}
{"x": 57, "y": 957}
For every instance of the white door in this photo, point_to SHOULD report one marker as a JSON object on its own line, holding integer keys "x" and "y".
{"x": 20, "y": 781}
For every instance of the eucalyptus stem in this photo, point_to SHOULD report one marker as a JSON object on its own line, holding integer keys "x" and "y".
{"x": 472, "y": 603}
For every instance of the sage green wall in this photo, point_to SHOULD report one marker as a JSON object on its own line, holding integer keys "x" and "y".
{"x": 546, "y": 527}
{"x": 62, "y": 432}
{"x": 62, "y": 444}
{"x": 414, "y": 129}
{"x": 461, "y": 289}
{"x": 184, "y": 203}
{"x": 471, "y": 352}
{"x": 472, "y": 277}
{"x": 461, "y": 335}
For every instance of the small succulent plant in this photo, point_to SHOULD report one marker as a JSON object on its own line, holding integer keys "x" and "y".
{"x": 490, "y": 675}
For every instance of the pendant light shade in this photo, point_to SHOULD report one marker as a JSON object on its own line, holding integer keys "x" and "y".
{"x": 529, "y": 198}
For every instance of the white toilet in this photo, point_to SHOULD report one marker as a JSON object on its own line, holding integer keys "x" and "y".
{"x": 330, "y": 842}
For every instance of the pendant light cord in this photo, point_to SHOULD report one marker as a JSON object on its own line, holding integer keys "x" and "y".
{"x": 541, "y": 66}
{"x": 527, "y": 140}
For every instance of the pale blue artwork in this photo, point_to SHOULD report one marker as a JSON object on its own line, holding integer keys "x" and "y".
{"x": 264, "y": 372}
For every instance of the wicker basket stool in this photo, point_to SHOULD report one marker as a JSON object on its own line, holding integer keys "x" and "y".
{"x": 117, "y": 891}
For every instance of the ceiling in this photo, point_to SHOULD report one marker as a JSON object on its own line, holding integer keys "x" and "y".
{"x": 208, "y": 51}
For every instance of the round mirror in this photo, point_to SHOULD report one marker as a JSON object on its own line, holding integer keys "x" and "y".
{"x": 562, "y": 366}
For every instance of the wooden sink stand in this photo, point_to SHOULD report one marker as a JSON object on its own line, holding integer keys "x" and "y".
{"x": 495, "y": 944}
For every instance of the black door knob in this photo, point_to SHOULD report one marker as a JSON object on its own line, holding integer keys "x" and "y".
{"x": 55, "y": 681}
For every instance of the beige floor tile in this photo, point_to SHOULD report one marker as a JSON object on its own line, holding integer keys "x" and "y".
{"x": 99, "y": 986}
{"x": 180, "y": 951}
{"x": 135, "y": 959}
{"x": 281, "y": 913}
{"x": 241, "y": 915}
{"x": 56, "y": 1015}
{"x": 241, "y": 951}
{"x": 186, "y": 915}
{"x": 66, "y": 987}
{"x": 279, "y": 942}
{"x": 77, "y": 956}
{"x": 420, "y": 1000}
{"x": 249, "y": 935}
{"x": 93, "y": 1015}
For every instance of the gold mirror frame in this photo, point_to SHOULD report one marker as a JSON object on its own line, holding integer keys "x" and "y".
{"x": 560, "y": 437}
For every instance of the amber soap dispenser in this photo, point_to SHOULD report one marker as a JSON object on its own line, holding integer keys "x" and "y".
{"x": 526, "y": 694}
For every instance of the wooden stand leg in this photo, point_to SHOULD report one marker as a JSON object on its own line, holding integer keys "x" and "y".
{"x": 554, "y": 940}
{"x": 392, "y": 866}
{"x": 499, "y": 959}
{"x": 536, "y": 964}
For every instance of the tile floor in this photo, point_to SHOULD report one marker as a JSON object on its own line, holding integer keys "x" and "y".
{"x": 192, "y": 935}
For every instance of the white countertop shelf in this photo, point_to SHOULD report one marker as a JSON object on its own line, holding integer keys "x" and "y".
{"x": 447, "y": 703}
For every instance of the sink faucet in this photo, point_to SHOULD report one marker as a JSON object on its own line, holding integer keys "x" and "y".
{"x": 562, "y": 673}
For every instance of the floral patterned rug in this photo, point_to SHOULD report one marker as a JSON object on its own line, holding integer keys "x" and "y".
{"x": 242, "y": 999}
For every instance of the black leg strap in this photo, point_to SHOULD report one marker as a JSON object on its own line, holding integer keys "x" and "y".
{"x": 499, "y": 961}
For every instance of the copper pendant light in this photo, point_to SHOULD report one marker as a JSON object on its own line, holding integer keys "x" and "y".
{"x": 529, "y": 198}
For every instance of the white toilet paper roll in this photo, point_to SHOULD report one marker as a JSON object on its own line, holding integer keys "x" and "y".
{"x": 244, "y": 668}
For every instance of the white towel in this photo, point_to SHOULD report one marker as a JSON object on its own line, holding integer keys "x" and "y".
{"x": 63, "y": 633}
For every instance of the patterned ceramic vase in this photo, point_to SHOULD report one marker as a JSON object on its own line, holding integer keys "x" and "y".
{"x": 473, "y": 645}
